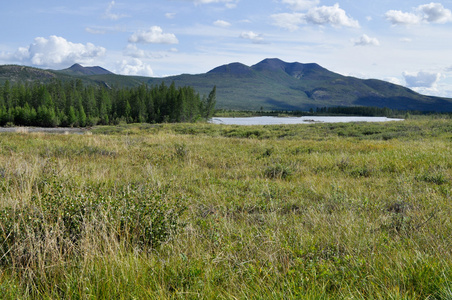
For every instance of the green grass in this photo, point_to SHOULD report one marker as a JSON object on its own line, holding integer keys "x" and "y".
{"x": 189, "y": 211}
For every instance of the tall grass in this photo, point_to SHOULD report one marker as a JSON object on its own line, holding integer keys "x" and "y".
{"x": 211, "y": 211}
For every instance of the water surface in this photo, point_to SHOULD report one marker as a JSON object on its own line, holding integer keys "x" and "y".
{"x": 297, "y": 120}
{"x": 60, "y": 130}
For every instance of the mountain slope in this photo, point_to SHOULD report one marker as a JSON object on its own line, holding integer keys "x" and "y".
{"x": 21, "y": 73}
{"x": 271, "y": 84}
{"x": 79, "y": 70}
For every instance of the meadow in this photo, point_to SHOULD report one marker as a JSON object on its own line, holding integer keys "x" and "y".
{"x": 203, "y": 211}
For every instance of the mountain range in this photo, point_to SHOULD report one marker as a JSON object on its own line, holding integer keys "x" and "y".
{"x": 271, "y": 84}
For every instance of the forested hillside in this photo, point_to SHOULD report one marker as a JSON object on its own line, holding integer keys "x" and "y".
{"x": 73, "y": 104}
{"x": 271, "y": 84}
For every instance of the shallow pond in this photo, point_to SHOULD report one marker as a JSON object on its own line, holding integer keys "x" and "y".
{"x": 297, "y": 120}
{"x": 60, "y": 130}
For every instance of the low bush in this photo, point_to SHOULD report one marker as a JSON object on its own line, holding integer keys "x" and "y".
{"x": 277, "y": 171}
{"x": 139, "y": 217}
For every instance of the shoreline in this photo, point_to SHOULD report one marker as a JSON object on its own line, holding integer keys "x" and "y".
{"x": 57, "y": 130}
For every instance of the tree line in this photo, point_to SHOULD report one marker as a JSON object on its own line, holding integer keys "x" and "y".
{"x": 71, "y": 103}
{"x": 367, "y": 111}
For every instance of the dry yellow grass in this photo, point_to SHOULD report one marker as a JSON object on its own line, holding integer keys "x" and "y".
{"x": 312, "y": 215}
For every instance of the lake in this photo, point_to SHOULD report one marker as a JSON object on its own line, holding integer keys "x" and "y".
{"x": 297, "y": 120}
{"x": 61, "y": 130}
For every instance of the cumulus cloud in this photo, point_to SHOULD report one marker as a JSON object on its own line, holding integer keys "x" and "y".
{"x": 397, "y": 17}
{"x": 133, "y": 51}
{"x": 333, "y": 15}
{"x": 221, "y": 23}
{"x": 109, "y": 15}
{"x": 154, "y": 35}
{"x": 427, "y": 13}
{"x": 365, "y": 40}
{"x": 435, "y": 13}
{"x": 134, "y": 66}
{"x": 254, "y": 37}
{"x": 323, "y": 15}
{"x": 55, "y": 51}
{"x": 301, "y": 4}
{"x": 422, "y": 79}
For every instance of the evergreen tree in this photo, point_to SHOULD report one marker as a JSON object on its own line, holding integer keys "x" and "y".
{"x": 71, "y": 117}
{"x": 209, "y": 104}
{"x": 72, "y": 104}
{"x": 82, "y": 119}
{"x": 7, "y": 94}
{"x": 128, "y": 112}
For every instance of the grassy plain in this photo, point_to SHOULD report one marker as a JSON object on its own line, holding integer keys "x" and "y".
{"x": 201, "y": 211}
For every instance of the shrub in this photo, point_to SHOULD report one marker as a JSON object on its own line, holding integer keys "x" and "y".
{"x": 141, "y": 217}
{"x": 435, "y": 177}
{"x": 180, "y": 151}
{"x": 277, "y": 171}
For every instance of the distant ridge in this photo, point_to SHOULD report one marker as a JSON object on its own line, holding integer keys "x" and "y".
{"x": 78, "y": 69}
{"x": 296, "y": 70}
{"x": 233, "y": 69}
{"x": 271, "y": 84}
{"x": 16, "y": 73}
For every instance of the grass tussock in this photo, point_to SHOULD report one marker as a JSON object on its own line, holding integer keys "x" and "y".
{"x": 181, "y": 211}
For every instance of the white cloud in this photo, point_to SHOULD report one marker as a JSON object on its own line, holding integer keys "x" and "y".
{"x": 221, "y": 23}
{"x": 323, "y": 15}
{"x": 228, "y": 3}
{"x": 231, "y": 5}
{"x": 427, "y": 13}
{"x": 22, "y": 54}
{"x": 254, "y": 37}
{"x": 422, "y": 79}
{"x": 133, "y": 51}
{"x": 290, "y": 21}
{"x": 154, "y": 35}
{"x": 170, "y": 15}
{"x": 94, "y": 31}
{"x": 134, "y": 66}
{"x": 435, "y": 13}
{"x": 333, "y": 15}
{"x": 365, "y": 40}
{"x": 398, "y": 17}
{"x": 301, "y": 4}
{"x": 55, "y": 52}
{"x": 109, "y": 15}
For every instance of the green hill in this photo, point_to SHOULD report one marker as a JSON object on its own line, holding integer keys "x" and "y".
{"x": 271, "y": 84}
{"x": 77, "y": 69}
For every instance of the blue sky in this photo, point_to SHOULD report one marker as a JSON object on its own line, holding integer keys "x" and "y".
{"x": 407, "y": 42}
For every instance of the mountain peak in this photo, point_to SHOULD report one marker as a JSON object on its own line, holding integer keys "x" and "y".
{"x": 77, "y": 69}
{"x": 233, "y": 69}
{"x": 270, "y": 64}
{"x": 295, "y": 69}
